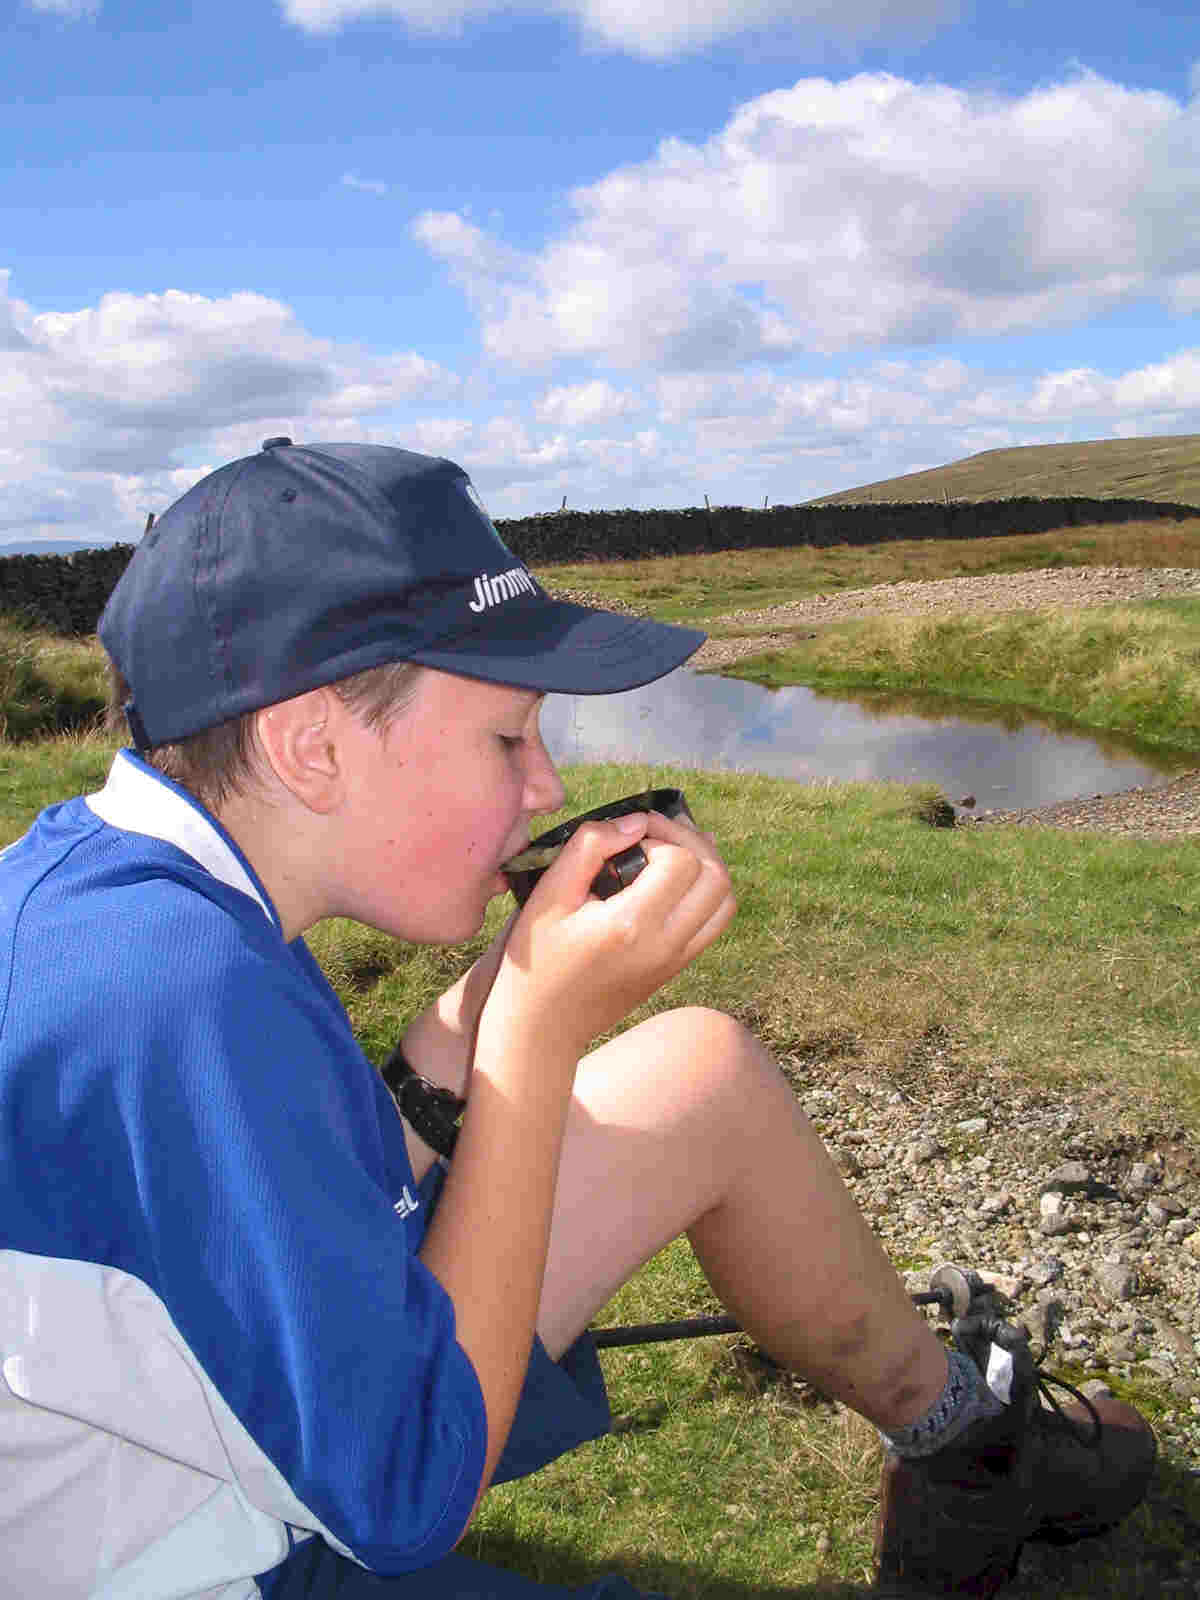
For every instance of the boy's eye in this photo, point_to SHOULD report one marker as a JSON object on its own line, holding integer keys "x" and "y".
{"x": 511, "y": 741}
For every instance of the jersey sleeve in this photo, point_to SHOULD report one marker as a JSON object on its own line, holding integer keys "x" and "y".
{"x": 222, "y": 1142}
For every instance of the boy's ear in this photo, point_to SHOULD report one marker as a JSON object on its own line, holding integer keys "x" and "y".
{"x": 299, "y": 739}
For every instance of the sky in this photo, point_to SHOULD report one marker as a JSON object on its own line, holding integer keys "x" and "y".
{"x": 603, "y": 253}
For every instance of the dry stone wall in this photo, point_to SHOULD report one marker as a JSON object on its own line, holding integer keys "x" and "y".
{"x": 66, "y": 593}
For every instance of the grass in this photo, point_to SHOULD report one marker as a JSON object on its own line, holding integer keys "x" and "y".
{"x": 47, "y": 684}
{"x": 1047, "y": 954}
{"x": 779, "y": 1496}
{"x": 37, "y": 772}
{"x": 1133, "y": 670}
{"x": 724, "y": 1484}
{"x": 699, "y": 588}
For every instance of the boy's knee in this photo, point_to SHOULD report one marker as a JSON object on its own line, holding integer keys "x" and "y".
{"x": 711, "y": 1041}
{"x": 712, "y": 1032}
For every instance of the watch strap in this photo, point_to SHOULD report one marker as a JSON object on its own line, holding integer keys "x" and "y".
{"x": 430, "y": 1110}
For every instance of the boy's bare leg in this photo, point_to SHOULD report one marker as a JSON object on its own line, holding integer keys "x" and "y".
{"x": 685, "y": 1124}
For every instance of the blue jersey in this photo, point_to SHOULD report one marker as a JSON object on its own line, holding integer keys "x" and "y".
{"x": 216, "y": 1336}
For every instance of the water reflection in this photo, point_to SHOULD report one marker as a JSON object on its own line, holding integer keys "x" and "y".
{"x": 1003, "y": 758}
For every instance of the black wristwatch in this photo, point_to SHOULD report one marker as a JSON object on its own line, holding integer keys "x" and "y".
{"x": 432, "y": 1111}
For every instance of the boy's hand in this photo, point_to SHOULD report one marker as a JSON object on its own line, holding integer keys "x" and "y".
{"x": 440, "y": 1039}
{"x": 576, "y": 966}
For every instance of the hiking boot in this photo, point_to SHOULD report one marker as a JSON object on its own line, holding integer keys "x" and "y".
{"x": 953, "y": 1523}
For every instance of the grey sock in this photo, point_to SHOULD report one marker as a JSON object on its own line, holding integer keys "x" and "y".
{"x": 965, "y": 1398}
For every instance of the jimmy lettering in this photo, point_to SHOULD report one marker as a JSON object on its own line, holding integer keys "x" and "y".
{"x": 494, "y": 591}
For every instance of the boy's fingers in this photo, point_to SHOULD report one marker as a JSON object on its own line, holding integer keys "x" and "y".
{"x": 679, "y": 831}
{"x": 568, "y": 879}
{"x": 690, "y": 888}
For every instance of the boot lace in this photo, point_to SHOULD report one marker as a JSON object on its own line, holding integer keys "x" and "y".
{"x": 974, "y": 1333}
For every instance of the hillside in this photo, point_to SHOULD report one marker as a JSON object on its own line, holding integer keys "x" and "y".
{"x": 1165, "y": 467}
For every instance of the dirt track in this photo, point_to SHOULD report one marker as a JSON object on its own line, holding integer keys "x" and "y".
{"x": 1070, "y": 588}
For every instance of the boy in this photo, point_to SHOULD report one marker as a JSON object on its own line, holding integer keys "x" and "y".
{"x": 256, "y": 1339}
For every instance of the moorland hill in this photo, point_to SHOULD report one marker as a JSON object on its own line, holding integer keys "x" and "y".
{"x": 1162, "y": 467}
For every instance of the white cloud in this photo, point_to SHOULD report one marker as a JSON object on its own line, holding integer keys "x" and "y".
{"x": 945, "y": 377}
{"x": 104, "y": 406}
{"x": 1069, "y": 393}
{"x": 351, "y": 180}
{"x": 72, "y": 10}
{"x": 14, "y": 317}
{"x": 1184, "y": 295}
{"x": 651, "y": 28}
{"x": 489, "y": 271}
{"x": 742, "y": 436}
{"x": 113, "y": 410}
{"x": 135, "y": 373}
{"x": 1167, "y": 387}
{"x": 870, "y": 211}
{"x": 1168, "y": 390}
{"x": 584, "y": 404}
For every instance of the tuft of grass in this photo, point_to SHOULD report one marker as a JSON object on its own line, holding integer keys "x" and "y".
{"x": 37, "y": 773}
{"x": 1131, "y": 669}
{"x": 48, "y": 684}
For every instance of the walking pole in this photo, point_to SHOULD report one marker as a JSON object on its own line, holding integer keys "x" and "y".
{"x": 955, "y": 1287}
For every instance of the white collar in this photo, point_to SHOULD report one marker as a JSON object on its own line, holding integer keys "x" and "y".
{"x": 139, "y": 800}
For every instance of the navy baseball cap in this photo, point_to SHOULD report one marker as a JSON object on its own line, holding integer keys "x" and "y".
{"x": 303, "y": 564}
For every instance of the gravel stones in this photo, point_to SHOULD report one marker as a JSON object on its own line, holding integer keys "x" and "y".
{"x": 1061, "y": 587}
{"x": 1070, "y": 1178}
{"x": 1116, "y": 1297}
{"x": 927, "y": 1149}
{"x": 1053, "y": 1213}
{"x": 1117, "y": 1281}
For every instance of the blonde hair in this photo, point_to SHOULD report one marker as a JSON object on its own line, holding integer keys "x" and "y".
{"x": 219, "y": 762}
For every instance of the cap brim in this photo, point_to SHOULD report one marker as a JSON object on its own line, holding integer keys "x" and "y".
{"x": 557, "y": 647}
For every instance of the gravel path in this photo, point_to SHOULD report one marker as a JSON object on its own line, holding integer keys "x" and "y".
{"x": 1070, "y": 587}
{"x": 1084, "y": 1213}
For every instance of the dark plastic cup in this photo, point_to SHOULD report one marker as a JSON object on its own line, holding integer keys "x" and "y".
{"x": 524, "y": 870}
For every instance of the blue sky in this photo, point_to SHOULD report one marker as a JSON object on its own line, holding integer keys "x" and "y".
{"x": 621, "y": 252}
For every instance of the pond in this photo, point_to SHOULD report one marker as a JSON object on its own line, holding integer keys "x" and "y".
{"x": 1005, "y": 759}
